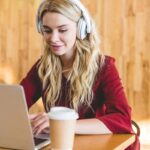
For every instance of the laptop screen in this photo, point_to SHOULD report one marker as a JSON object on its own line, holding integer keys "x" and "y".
{"x": 15, "y": 127}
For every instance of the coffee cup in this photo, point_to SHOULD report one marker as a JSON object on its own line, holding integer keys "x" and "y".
{"x": 62, "y": 127}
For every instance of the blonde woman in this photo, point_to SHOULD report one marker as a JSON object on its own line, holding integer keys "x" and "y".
{"x": 73, "y": 73}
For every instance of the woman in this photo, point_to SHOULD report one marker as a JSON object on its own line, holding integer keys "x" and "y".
{"x": 72, "y": 72}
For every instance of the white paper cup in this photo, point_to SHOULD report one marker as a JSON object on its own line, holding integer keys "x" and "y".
{"x": 62, "y": 127}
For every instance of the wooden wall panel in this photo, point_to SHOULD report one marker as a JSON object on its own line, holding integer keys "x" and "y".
{"x": 20, "y": 44}
{"x": 125, "y": 34}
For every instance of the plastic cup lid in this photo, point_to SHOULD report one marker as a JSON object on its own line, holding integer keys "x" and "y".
{"x": 63, "y": 113}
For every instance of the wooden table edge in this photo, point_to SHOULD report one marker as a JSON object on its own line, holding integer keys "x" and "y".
{"x": 126, "y": 143}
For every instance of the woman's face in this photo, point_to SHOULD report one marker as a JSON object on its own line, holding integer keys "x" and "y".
{"x": 59, "y": 32}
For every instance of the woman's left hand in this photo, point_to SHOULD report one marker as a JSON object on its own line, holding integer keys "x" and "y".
{"x": 39, "y": 122}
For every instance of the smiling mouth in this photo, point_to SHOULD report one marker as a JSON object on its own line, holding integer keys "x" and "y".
{"x": 56, "y": 47}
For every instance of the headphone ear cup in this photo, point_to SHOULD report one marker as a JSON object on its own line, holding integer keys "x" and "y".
{"x": 38, "y": 19}
{"x": 81, "y": 29}
{"x": 39, "y": 25}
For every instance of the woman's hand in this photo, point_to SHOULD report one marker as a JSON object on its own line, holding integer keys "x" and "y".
{"x": 39, "y": 122}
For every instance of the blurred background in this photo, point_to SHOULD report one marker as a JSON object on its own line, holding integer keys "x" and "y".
{"x": 124, "y": 26}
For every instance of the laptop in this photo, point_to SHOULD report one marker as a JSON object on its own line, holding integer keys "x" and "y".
{"x": 15, "y": 126}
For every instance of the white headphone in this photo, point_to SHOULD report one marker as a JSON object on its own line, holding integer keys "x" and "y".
{"x": 84, "y": 23}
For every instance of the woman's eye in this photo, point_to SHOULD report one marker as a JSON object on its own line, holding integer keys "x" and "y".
{"x": 46, "y": 30}
{"x": 62, "y": 30}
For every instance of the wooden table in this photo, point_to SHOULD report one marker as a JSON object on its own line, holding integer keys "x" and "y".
{"x": 102, "y": 142}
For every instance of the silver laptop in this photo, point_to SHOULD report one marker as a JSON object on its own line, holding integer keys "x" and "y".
{"x": 15, "y": 127}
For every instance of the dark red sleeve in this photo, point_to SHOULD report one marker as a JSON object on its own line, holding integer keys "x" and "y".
{"x": 32, "y": 85}
{"x": 117, "y": 111}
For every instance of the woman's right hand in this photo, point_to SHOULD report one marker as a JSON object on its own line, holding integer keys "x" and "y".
{"x": 39, "y": 123}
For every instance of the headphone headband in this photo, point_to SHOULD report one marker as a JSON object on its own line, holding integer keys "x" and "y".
{"x": 85, "y": 14}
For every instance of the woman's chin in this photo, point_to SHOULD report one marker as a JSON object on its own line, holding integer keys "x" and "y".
{"x": 59, "y": 53}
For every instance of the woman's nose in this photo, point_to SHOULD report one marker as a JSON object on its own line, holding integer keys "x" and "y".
{"x": 54, "y": 37}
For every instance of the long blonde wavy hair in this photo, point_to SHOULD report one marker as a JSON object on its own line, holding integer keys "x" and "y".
{"x": 88, "y": 60}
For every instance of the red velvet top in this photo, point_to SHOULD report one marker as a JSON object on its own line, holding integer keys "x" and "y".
{"x": 109, "y": 102}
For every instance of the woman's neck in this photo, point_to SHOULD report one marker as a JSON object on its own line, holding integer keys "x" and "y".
{"x": 67, "y": 62}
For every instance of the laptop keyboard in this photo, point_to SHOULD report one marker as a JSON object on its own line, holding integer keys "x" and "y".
{"x": 39, "y": 141}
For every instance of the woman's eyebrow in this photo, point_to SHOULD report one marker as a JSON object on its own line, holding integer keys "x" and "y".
{"x": 45, "y": 26}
